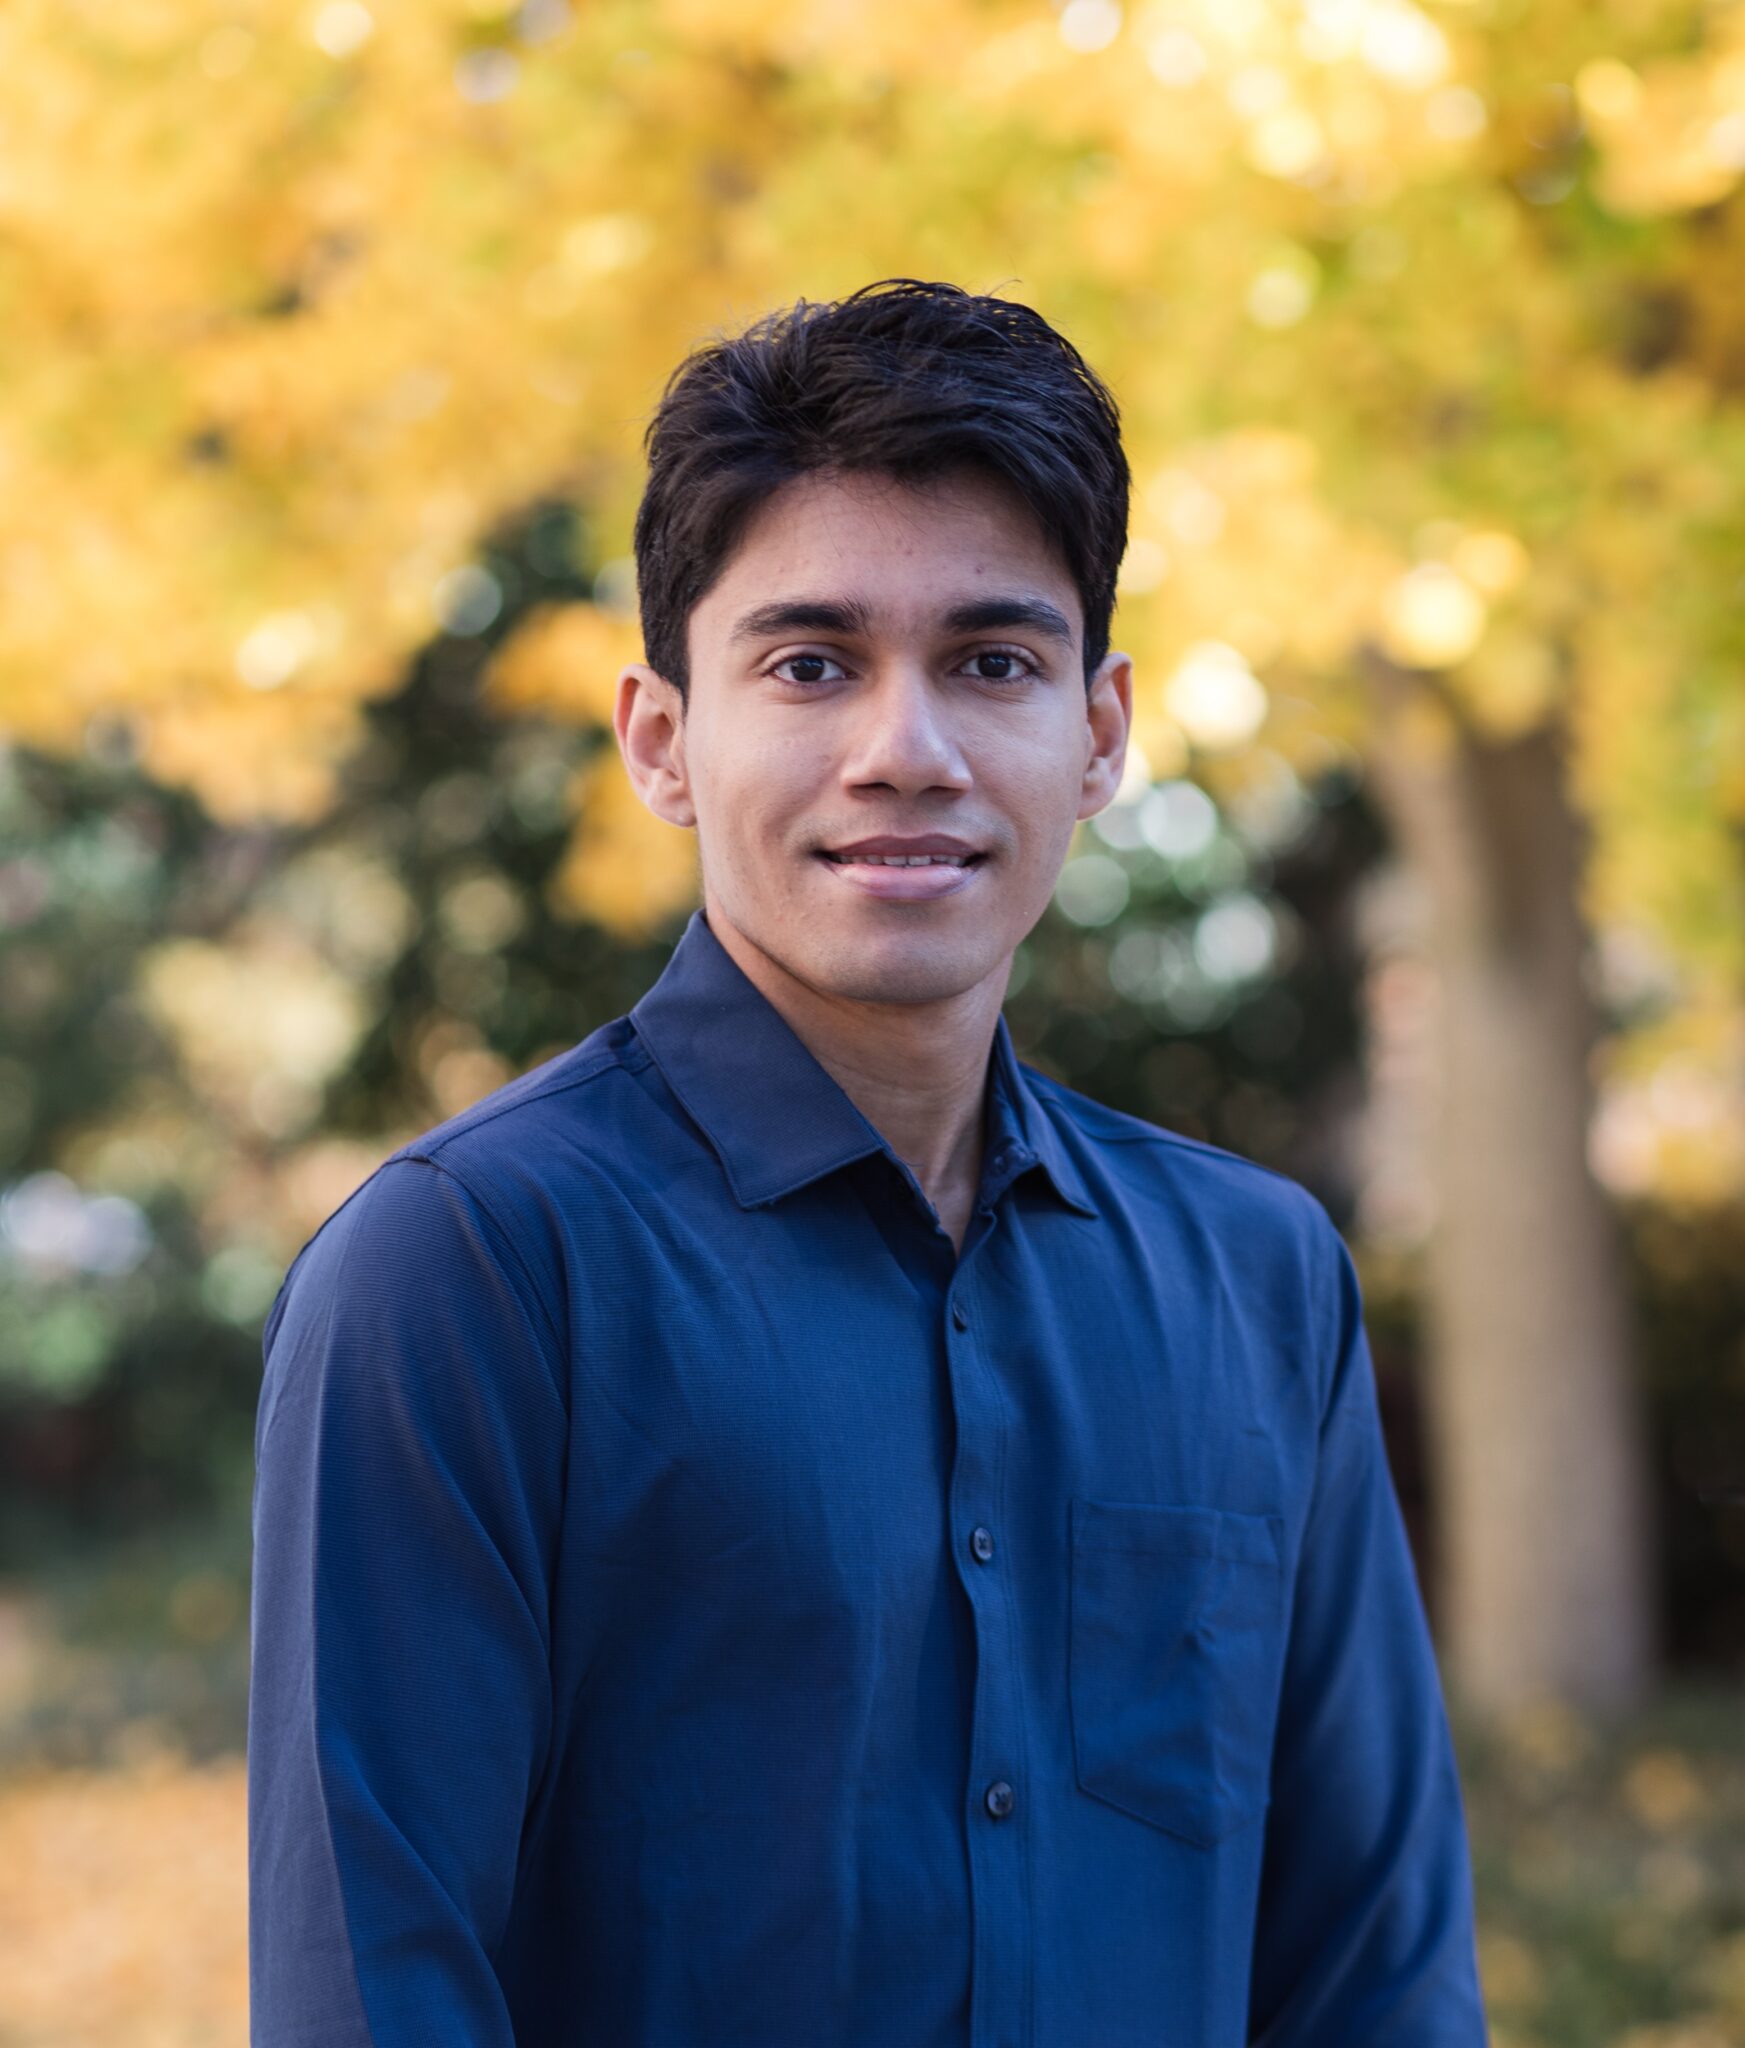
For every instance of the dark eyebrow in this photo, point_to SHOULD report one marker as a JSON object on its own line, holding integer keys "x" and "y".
{"x": 850, "y": 617}
{"x": 803, "y": 615}
{"x": 987, "y": 614}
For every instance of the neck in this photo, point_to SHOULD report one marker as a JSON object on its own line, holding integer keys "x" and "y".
{"x": 916, "y": 1071}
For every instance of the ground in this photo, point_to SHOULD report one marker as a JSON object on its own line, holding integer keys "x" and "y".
{"x": 1610, "y": 1863}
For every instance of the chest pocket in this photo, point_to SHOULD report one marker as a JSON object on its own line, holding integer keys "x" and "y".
{"x": 1175, "y": 1654}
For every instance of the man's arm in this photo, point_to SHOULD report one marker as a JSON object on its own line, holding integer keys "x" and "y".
{"x": 409, "y": 1464}
{"x": 1364, "y": 1936}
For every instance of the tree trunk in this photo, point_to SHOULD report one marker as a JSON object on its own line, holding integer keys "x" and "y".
{"x": 1537, "y": 1451}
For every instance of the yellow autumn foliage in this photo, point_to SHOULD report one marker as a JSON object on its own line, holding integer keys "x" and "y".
{"x": 1420, "y": 313}
{"x": 564, "y": 662}
{"x": 625, "y": 868}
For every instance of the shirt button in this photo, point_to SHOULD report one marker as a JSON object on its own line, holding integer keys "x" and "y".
{"x": 981, "y": 1541}
{"x": 959, "y": 1319}
{"x": 998, "y": 1799}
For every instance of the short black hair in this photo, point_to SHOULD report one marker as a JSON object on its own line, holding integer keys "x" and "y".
{"x": 903, "y": 378}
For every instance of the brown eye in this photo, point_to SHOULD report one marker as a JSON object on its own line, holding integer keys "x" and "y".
{"x": 805, "y": 668}
{"x": 1001, "y": 665}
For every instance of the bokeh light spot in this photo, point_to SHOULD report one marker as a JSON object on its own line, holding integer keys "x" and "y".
{"x": 341, "y": 27}
{"x": 1087, "y": 25}
{"x": 1214, "y": 696}
{"x": 468, "y": 599}
{"x": 1092, "y": 889}
{"x": 1432, "y": 617}
{"x": 1236, "y": 940}
{"x": 1178, "y": 820}
{"x": 1176, "y": 58}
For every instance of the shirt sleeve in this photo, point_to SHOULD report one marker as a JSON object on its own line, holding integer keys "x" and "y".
{"x": 409, "y": 1466}
{"x": 1364, "y": 1933}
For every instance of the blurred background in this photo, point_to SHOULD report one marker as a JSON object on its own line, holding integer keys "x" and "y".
{"x": 329, "y": 334}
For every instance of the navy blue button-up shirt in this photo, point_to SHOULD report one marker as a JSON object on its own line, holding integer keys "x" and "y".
{"x": 694, "y": 1605}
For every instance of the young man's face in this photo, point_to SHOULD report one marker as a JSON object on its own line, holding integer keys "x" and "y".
{"x": 883, "y": 668}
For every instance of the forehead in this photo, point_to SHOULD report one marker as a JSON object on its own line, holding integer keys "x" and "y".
{"x": 905, "y": 551}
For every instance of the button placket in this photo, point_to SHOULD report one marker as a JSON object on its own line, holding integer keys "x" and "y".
{"x": 998, "y": 1851}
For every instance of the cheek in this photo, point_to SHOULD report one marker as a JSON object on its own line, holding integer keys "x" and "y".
{"x": 750, "y": 792}
{"x": 1039, "y": 792}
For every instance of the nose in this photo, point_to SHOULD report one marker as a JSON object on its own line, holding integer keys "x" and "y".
{"x": 902, "y": 736}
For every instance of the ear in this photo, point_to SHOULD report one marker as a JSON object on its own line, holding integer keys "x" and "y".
{"x": 648, "y": 717}
{"x": 1108, "y": 716}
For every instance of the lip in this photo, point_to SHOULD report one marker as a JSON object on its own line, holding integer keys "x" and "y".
{"x": 900, "y": 885}
{"x": 898, "y": 842}
{"x": 904, "y": 885}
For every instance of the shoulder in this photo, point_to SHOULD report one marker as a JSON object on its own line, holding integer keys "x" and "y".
{"x": 481, "y": 1191}
{"x": 1212, "y": 1225}
{"x": 524, "y": 1114}
{"x": 1142, "y": 1167}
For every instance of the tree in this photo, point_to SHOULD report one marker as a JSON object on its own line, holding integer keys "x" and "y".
{"x": 1426, "y": 328}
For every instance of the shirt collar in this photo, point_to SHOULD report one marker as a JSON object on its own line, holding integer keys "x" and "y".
{"x": 775, "y": 1117}
{"x": 1028, "y": 1129}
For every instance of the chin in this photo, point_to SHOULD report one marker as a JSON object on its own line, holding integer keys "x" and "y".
{"x": 901, "y": 968}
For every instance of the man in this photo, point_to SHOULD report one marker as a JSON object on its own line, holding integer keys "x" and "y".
{"x": 782, "y": 1525}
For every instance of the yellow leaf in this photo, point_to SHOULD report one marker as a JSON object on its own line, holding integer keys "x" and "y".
{"x": 564, "y": 661}
{"x": 624, "y": 868}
